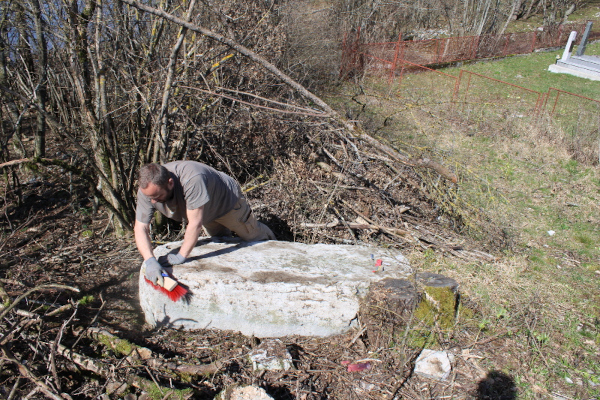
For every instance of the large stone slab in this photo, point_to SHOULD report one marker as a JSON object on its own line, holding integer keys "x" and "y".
{"x": 272, "y": 288}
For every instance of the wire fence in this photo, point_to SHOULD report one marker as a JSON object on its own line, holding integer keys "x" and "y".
{"x": 453, "y": 49}
{"x": 483, "y": 102}
{"x": 579, "y": 119}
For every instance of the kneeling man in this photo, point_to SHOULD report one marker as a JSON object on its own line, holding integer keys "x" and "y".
{"x": 197, "y": 194}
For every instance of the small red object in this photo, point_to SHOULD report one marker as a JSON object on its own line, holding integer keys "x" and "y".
{"x": 174, "y": 295}
{"x": 359, "y": 367}
{"x": 378, "y": 263}
{"x": 345, "y": 362}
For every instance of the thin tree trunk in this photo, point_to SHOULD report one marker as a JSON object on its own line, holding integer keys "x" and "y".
{"x": 162, "y": 147}
{"x": 11, "y": 107}
{"x": 113, "y": 158}
{"x": 483, "y": 18}
{"x": 511, "y": 15}
{"x": 42, "y": 72}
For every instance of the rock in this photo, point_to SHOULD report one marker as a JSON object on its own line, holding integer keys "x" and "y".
{"x": 433, "y": 364}
{"x": 271, "y": 355}
{"x": 270, "y": 289}
{"x": 144, "y": 353}
{"x": 243, "y": 393}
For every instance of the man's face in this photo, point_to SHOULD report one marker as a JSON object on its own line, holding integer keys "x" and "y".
{"x": 158, "y": 194}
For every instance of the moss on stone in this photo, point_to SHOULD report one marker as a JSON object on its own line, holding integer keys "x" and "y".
{"x": 157, "y": 393}
{"x": 421, "y": 338}
{"x": 121, "y": 347}
{"x": 437, "y": 305}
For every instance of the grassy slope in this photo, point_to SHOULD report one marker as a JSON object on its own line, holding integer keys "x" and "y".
{"x": 531, "y": 71}
{"x": 542, "y": 296}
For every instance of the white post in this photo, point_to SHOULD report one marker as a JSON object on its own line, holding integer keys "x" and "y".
{"x": 567, "y": 52}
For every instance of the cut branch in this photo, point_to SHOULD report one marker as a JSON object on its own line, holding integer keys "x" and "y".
{"x": 35, "y": 289}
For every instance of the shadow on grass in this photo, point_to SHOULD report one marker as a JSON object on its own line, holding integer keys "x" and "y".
{"x": 496, "y": 386}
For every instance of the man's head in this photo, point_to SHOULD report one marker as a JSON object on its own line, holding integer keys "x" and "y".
{"x": 156, "y": 183}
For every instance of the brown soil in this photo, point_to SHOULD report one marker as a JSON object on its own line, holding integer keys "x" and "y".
{"x": 52, "y": 235}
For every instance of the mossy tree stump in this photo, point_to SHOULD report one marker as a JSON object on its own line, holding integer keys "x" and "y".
{"x": 440, "y": 300}
{"x": 395, "y": 307}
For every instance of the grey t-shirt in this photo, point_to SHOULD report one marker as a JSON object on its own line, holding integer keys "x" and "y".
{"x": 196, "y": 185}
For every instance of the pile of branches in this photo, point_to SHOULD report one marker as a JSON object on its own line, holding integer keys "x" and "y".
{"x": 52, "y": 350}
{"x": 338, "y": 187}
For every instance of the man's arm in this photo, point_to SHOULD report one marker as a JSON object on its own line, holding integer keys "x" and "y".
{"x": 153, "y": 270}
{"x": 192, "y": 231}
{"x": 142, "y": 239}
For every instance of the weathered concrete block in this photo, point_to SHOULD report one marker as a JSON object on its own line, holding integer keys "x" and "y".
{"x": 243, "y": 393}
{"x": 271, "y": 289}
{"x": 387, "y": 309}
{"x": 271, "y": 355}
{"x": 434, "y": 364}
{"x": 440, "y": 300}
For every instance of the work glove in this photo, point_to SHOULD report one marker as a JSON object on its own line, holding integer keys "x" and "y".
{"x": 175, "y": 259}
{"x": 154, "y": 271}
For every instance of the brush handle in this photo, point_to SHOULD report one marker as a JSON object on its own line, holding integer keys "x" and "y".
{"x": 168, "y": 283}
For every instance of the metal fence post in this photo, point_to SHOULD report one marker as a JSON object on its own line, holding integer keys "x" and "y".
{"x": 558, "y": 41}
{"x": 397, "y": 50}
{"x": 507, "y": 39}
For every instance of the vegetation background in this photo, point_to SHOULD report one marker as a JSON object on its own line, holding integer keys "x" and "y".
{"x": 91, "y": 90}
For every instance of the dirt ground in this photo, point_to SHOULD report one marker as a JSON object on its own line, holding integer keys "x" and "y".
{"x": 55, "y": 237}
{"x": 71, "y": 313}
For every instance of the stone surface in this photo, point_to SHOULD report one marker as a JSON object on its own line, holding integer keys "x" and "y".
{"x": 433, "y": 364}
{"x": 436, "y": 280}
{"x": 569, "y": 47}
{"x": 243, "y": 393}
{"x": 271, "y": 355}
{"x": 272, "y": 288}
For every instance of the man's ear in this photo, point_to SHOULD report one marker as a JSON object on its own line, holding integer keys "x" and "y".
{"x": 170, "y": 183}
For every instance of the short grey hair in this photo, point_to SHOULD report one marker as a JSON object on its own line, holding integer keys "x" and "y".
{"x": 153, "y": 173}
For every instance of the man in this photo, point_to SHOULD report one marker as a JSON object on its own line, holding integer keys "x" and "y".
{"x": 198, "y": 194}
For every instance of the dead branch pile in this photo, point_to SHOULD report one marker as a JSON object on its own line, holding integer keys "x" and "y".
{"x": 325, "y": 185}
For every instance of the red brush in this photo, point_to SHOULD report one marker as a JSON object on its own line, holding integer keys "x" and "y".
{"x": 170, "y": 287}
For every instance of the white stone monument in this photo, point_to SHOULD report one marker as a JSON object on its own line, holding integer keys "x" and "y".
{"x": 578, "y": 65}
{"x": 272, "y": 288}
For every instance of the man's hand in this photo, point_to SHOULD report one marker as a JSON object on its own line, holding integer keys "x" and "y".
{"x": 175, "y": 259}
{"x": 154, "y": 271}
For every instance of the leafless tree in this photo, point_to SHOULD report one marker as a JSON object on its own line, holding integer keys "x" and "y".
{"x": 123, "y": 86}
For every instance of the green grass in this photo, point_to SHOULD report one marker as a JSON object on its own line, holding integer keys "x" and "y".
{"x": 544, "y": 289}
{"x": 531, "y": 71}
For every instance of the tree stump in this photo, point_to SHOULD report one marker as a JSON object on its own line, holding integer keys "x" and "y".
{"x": 439, "y": 302}
{"x": 387, "y": 309}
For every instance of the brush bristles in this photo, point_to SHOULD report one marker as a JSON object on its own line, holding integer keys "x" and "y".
{"x": 174, "y": 295}
{"x": 177, "y": 293}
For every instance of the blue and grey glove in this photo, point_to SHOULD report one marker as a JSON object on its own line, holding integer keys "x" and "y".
{"x": 175, "y": 259}
{"x": 154, "y": 271}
